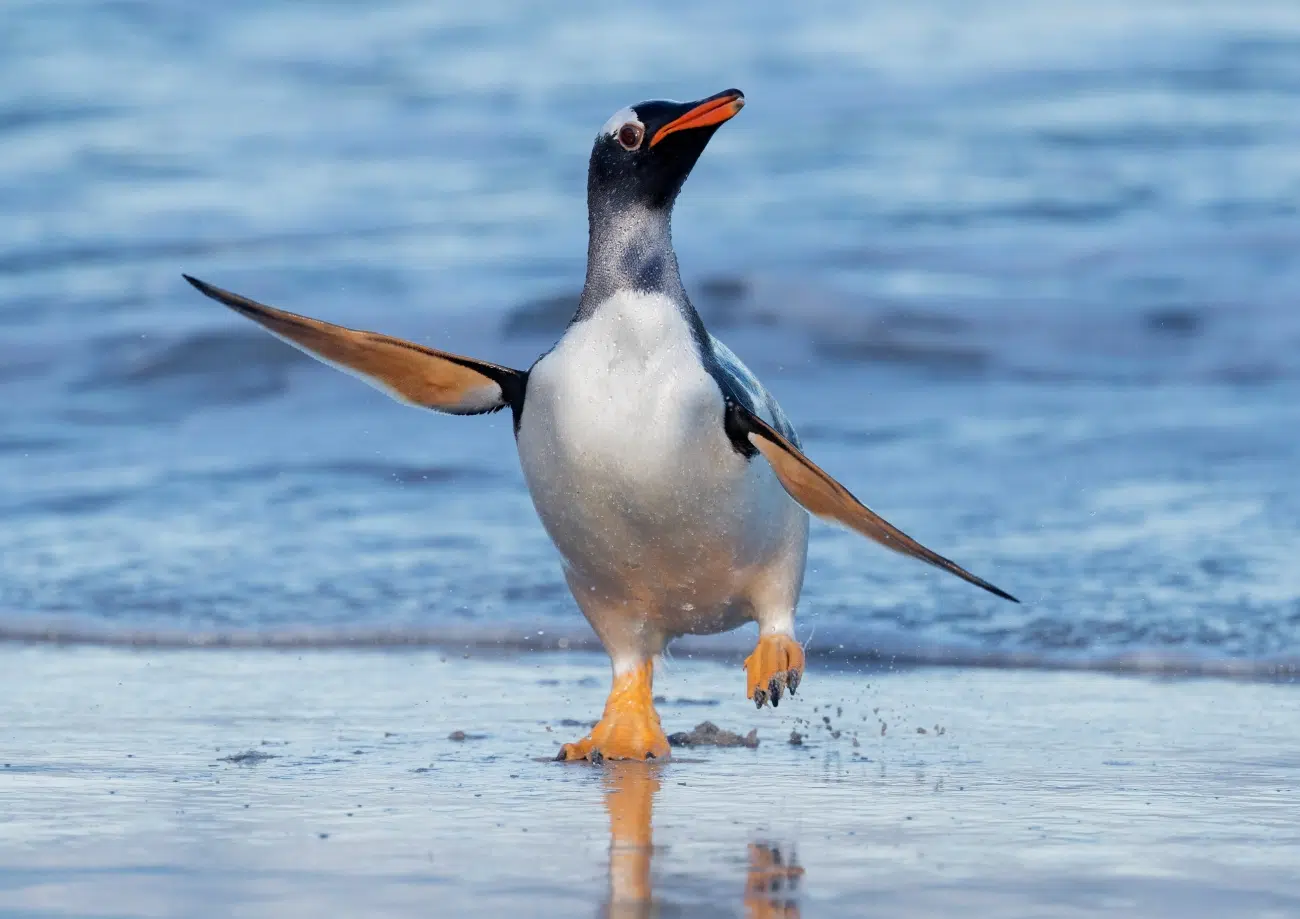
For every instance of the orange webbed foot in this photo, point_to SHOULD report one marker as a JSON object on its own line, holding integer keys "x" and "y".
{"x": 630, "y": 728}
{"x": 775, "y": 666}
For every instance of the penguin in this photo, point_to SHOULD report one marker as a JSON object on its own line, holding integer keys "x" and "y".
{"x": 670, "y": 481}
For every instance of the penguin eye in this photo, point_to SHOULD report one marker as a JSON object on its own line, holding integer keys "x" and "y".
{"x": 630, "y": 135}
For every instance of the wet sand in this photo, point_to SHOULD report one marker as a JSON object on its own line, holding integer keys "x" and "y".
{"x": 127, "y": 789}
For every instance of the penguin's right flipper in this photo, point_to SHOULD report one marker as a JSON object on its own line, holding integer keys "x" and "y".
{"x": 408, "y": 372}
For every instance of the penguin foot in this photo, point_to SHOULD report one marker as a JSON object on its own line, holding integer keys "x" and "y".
{"x": 630, "y": 727}
{"x": 775, "y": 666}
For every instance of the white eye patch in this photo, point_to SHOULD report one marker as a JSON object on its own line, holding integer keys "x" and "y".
{"x": 620, "y": 118}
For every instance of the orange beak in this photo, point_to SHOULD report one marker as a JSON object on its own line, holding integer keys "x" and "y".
{"x": 714, "y": 110}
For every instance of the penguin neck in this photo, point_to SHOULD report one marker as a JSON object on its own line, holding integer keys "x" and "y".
{"x": 629, "y": 248}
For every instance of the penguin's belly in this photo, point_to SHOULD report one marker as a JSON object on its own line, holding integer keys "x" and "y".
{"x": 623, "y": 448}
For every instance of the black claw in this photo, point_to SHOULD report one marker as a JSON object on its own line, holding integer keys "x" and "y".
{"x": 596, "y": 757}
{"x": 792, "y": 680}
{"x": 760, "y": 697}
{"x": 774, "y": 688}
{"x": 561, "y": 757}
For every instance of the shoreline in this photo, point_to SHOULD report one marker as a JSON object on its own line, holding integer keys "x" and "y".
{"x": 833, "y": 650}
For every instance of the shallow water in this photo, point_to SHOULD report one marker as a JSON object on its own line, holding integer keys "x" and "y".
{"x": 1028, "y": 794}
{"x": 1024, "y": 275}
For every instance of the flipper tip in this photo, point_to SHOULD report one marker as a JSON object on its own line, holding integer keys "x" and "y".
{"x": 1003, "y": 594}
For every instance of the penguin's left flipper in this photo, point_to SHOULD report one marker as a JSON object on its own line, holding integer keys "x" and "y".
{"x": 824, "y": 497}
{"x": 406, "y": 371}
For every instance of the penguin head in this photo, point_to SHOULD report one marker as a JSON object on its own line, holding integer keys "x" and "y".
{"x": 644, "y": 153}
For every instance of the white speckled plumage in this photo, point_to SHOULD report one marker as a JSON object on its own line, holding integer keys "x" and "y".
{"x": 664, "y": 528}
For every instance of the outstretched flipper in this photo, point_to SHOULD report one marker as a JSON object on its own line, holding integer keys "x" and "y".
{"x": 824, "y": 497}
{"x": 406, "y": 371}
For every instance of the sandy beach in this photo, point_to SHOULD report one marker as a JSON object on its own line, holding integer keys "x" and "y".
{"x": 259, "y": 783}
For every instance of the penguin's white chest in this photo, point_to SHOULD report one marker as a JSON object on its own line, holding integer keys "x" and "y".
{"x": 623, "y": 447}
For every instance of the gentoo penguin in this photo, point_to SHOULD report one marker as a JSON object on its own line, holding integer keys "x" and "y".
{"x": 669, "y": 479}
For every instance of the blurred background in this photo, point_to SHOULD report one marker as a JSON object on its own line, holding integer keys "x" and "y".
{"x": 1024, "y": 274}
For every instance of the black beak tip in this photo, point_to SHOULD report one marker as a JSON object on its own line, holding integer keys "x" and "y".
{"x": 733, "y": 94}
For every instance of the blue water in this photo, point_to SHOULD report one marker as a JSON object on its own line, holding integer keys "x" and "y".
{"x": 1026, "y": 275}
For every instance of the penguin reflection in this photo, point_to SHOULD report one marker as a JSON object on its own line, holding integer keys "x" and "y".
{"x": 630, "y": 790}
{"x": 771, "y": 883}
